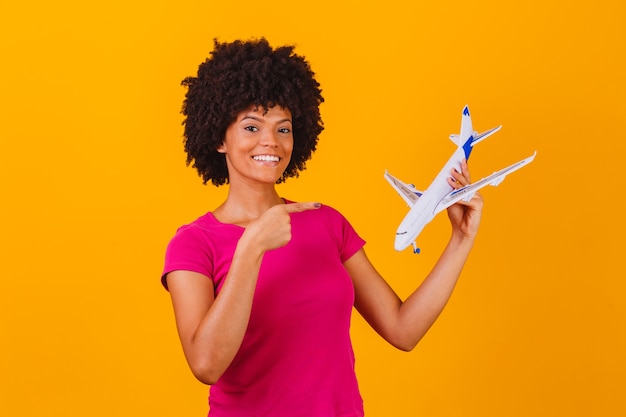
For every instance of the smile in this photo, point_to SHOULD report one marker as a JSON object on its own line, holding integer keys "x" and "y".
{"x": 266, "y": 158}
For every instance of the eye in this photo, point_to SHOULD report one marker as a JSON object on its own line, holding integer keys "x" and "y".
{"x": 251, "y": 128}
{"x": 284, "y": 130}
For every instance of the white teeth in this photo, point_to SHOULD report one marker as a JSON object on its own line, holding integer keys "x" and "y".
{"x": 269, "y": 158}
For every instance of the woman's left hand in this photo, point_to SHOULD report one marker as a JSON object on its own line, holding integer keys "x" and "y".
{"x": 464, "y": 215}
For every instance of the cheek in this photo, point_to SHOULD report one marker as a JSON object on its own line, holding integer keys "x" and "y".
{"x": 288, "y": 155}
{"x": 289, "y": 146}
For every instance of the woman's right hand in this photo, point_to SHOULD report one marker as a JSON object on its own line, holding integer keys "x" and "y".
{"x": 272, "y": 229}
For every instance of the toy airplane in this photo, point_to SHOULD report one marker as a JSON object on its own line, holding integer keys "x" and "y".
{"x": 440, "y": 195}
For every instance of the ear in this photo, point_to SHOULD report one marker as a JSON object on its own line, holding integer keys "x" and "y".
{"x": 221, "y": 148}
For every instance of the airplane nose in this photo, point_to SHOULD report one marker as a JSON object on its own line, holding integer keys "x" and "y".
{"x": 399, "y": 244}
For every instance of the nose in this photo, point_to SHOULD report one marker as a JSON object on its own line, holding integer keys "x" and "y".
{"x": 269, "y": 139}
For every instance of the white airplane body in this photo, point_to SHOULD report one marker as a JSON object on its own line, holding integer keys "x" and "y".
{"x": 440, "y": 195}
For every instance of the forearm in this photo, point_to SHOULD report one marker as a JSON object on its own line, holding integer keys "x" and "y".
{"x": 420, "y": 310}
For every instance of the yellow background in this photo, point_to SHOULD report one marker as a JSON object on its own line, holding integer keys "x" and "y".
{"x": 93, "y": 185}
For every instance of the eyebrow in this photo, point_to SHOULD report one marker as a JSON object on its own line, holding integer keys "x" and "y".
{"x": 259, "y": 119}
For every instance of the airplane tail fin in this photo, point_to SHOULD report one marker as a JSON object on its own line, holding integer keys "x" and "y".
{"x": 466, "y": 129}
{"x": 484, "y": 135}
{"x": 466, "y": 125}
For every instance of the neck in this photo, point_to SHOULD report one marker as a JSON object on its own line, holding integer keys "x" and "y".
{"x": 243, "y": 205}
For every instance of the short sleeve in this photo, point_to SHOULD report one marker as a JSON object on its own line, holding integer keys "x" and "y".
{"x": 188, "y": 251}
{"x": 348, "y": 240}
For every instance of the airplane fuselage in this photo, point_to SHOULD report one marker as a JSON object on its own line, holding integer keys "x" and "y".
{"x": 425, "y": 208}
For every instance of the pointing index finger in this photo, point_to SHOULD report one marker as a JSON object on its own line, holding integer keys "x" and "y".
{"x": 298, "y": 207}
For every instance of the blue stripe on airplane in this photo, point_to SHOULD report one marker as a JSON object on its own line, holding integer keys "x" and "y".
{"x": 467, "y": 147}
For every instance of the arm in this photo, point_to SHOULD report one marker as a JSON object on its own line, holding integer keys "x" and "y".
{"x": 211, "y": 328}
{"x": 403, "y": 324}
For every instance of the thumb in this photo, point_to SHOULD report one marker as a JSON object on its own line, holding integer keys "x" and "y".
{"x": 298, "y": 207}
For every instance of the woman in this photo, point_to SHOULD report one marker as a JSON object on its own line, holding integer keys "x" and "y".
{"x": 262, "y": 287}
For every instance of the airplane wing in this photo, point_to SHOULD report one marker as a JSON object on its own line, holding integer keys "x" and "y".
{"x": 466, "y": 193}
{"x": 406, "y": 191}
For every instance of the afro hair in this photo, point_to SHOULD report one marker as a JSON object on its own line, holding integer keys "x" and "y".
{"x": 236, "y": 76}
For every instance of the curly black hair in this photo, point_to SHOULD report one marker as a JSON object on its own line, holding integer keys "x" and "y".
{"x": 236, "y": 76}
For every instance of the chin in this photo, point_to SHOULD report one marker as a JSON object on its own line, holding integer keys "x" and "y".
{"x": 269, "y": 180}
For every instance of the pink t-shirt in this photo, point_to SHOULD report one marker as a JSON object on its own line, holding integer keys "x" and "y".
{"x": 296, "y": 358}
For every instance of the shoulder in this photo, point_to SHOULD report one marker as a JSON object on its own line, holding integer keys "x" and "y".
{"x": 203, "y": 234}
{"x": 332, "y": 214}
{"x": 198, "y": 245}
{"x": 206, "y": 224}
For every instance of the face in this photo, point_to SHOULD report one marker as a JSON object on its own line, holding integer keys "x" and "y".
{"x": 258, "y": 145}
